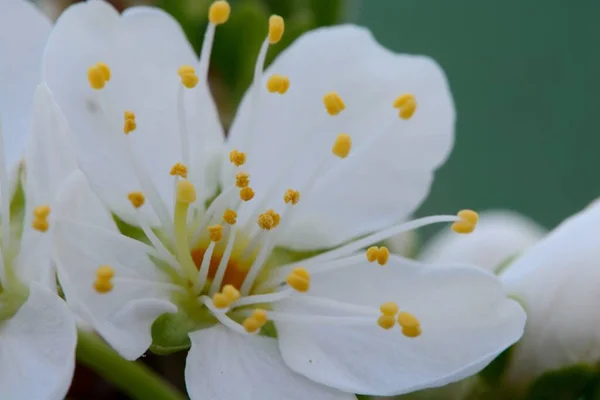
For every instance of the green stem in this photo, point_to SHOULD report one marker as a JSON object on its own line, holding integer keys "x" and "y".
{"x": 131, "y": 377}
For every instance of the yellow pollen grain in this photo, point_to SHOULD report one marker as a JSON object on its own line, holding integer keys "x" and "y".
{"x": 137, "y": 199}
{"x": 383, "y": 255}
{"x": 411, "y": 332}
{"x": 237, "y": 158}
{"x": 467, "y": 223}
{"x": 276, "y": 217}
{"x": 276, "y": 28}
{"x": 215, "y": 232}
{"x": 230, "y": 216}
{"x": 188, "y": 76}
{"x": 372, "y": 253}
{"x": 251, "y": 325}
{"x": 389, "y": 308}
{"x": 278, "y": 84}
{"x": 105, "y": 272}
{"x": 96, "y": 77}
{"x": 246, "y": 193}
{"x": 242, "y": 179}
{"x": 407, "y": 320}
{"x": 265, "y": 221}
{"x": 185, "y": 192}
{"x": 179, "y": 169}
{"x": 103, "y": 287}
{"x": 231, "y": 292}
{"x": 40, "y": 224}
{"x": 42, "y": 211}
{"x": 333, "y": 103}
{"x": 291, "y": 196}
{"x": 299, "y": 279}
{"x": 104, "y": 275}
{"x": 105, "y": 69}
{"x": 342, "y": 145}
{"x": 407, "y": 105}
{"x": 219, "y": 12}
{"x": 129, "y": 124}
{"x": 260, "y": 315}
{"x": 220, "y": 300}
{"x": 386, "y": 321}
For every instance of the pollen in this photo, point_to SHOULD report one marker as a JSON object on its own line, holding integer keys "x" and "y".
{"x": 246, "y": 193}
{"x": 129, "y": 124}
{"x": 299, "y": 279}
{"x": 342, "y": 145}
{"x": 188, "y": 76}
{"x": 179, "y": 169}
{"x": 220, "y": 300}
{"x": 291, "y": 196}
{"x": 260, "y": 315}
{"x": 186, "y": 192}
{"x": 98, "y": 75}
{"x": 386, "y": 321}
{"x": 231, "y": 292}
{"x": 40, "y": 225}
{"x": 278, "y": 84}
{"x": 333, "y": 103}
{"x": 265, "y": 221}
{"x": 467, "y": 223}
{"x": 137, "y": 199}
{"x": 41, "y": 211}
{"x": 379, "y": 254}
{"x": 276, "y": 28}
{"x": 411, "y": 326}
{"x": 103, "y": 283}
{"x": 230, "y": 216}
{"x": 237, "y": 158}
{"x": 407, "y": 105}
{"x": 389, "y": 308}
{"x": 276, "y": 217}
{"x": 215, "y": 232}
{"x": 219, "y": 11}
{"x": 40, "y": 218}
{"x": 252, "y": 325}
{"x": 242, "y": 179}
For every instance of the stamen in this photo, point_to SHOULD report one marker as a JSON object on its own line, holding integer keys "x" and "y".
{"x": 291, "y": 196}
{"x": 389, "y": 308}
{"x": 276, "y": 29}
{"x": 98, "y": 75}
{"x": 40, "y": 218}
{"x": 220, "y": 300}
{"x": 219, "y": 12}
{"x": 185, "y": 195}
{"x": 237, "y": 158}
{"x": 299, "y": 279}
{"x": 386, "y": 322}
{"x": 268, "y": 220}
{"x": 179, "y": 169}
{"x": 103, "y": 283}
{"x": 411, "y": 326}
{"x": 246, "y": 193}
{"x": 188, "y": 76}
{"x": 407, "y": 105}
{"x": 466, "y": 224}
{"x": 242, "y": 179}
{"x": 278, "y": 84}
{"x": 220, "y": 274}
{"x": 379, "y": 254}
{"x": 215, "y": 232}
{"x": 231, "y": 292}
{"x": 342, "y": 145}
{"x": 230, "y": 216}
{"x": 137, "y": 199}
{"x": 333, "y": 103}
{"x": 276, "y": 217}
{"x": 129, "y": 124}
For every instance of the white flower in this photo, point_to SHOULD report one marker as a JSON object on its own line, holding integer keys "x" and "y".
{"x": 557, "y": 282}
{"x": 220, "y": 268}
{"x": 500, "y": 236}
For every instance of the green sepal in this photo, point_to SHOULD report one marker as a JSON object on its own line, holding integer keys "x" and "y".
{"x": 170, "y": 333}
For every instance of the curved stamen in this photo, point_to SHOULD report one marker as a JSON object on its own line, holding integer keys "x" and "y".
{"x": 223, "y": 264}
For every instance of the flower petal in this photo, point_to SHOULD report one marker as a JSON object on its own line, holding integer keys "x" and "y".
{"x": 378, "y": 184}
{"x": 124, "y": 315}
{"x": 465, "y": 317}
{"x": 20, "y": 72}
{"x": 499, "y": 236}
{"x": 37, "y": 348}
{"x": 144, "y": 49}
{"x": 225, "y": 365}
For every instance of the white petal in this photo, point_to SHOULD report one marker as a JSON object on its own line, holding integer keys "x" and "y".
{"x": 557, "y": 281}
{"x": 372, "y": 188}
{"x": 466, "y": 321}
{"x": 124, "y": 315}
{"x": 144, "y": 48}
{"x": 499, "y": 236}
{"x": 37, "y": 348}
{"x": 23, "y": 33}
{"x": 223, "y": 365}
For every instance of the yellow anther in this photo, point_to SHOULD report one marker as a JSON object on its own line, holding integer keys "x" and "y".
{"x": 230, "y": 216}
{"x": 333, "y": 103}
{"x": 276, "y": 28}
{"x": 407, "y": 104}
{"x": 467, "y": 223}
{"x": 41, "y": 211}
{"x": 260, "y": 315}
{"x": 342, "y": 145}
{"x": 389, "y": 308}
{"x": 276, "y": 217}
{"x": 105, "y": 272}
{"x": 252, "y": 325}
{"x": 129, "y": 124}
{"x": 265, "y": 221}
{"x": 412, "y": 332}
{"x": 188, "y": 76}
{"x": 220, "y": 300}
{"x": 98, "y": 75}
{"x": 278, "y": 84}
{"x": 103, "y": 286}
{"x": 40, "y": 224}
{"x": 231, "y": 292}
{"x": 383, "y": 255}
{"x": 105, "y": 69}
{"x": 237, "y": 158}
{"x": 179, "y": 169}
{"x": 291, "y": 196}
{"x": 299, "y": 279}
{"x": 215, "y": 232}
{"x": 129, "y": 115}
{"x": 411, "y": 326}
{"x": 219, "y": 11}
{"x": 246, "y": 193}
{"x": 186, "y": 192}
{"x": 372, "y": 253}
{"x": 242, "y": 179}
{"x": 137, "y": 199}
{"x": 386, "y": 321}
